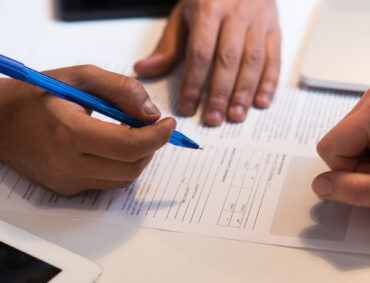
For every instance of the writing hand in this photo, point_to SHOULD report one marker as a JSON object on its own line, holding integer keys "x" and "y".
{"x": 58, "y": 145}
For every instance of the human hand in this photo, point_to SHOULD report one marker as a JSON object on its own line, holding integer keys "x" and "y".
{"x": 57, "y": 144}
{"x": 238, "y": 39}
{"x": 346, "y": 150}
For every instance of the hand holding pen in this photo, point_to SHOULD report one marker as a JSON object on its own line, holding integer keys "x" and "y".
{"x": 57, "y": 144}
{"x": 19, "y": 71}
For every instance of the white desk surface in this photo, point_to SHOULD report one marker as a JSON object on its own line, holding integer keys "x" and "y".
{"x": 129, "y": 254}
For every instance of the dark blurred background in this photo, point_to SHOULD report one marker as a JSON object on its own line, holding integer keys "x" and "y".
{"x": 76, "y": 10}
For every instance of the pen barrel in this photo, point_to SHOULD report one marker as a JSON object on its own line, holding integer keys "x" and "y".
{"x": 84, "y": 99}
{"x": 12, "y": 68}
{"x": 18, "y": 71}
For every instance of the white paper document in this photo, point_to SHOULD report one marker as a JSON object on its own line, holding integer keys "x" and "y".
{"x": 252, "y": 181}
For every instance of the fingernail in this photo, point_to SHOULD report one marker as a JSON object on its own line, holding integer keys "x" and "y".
{"x": 322, "y": 186}
{"x": 264, "y": 100}
{"x": 188, "y": 108}
{"x": 149, "y": 108}
{"x": 237, "y": 111}
{"x": 214, "y": 117}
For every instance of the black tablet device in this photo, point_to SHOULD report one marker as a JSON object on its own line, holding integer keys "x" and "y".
{"x": 26, "y": 258}
{"x": 75, "y": 10}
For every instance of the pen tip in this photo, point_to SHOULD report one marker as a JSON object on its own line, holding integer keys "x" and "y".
{"x": 201, "y": 148}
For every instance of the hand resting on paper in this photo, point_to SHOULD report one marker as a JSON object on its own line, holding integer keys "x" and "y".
{"x": 346, "y": 150}
{"x": 237, "y": 41}
{"x": 57, "y": 144}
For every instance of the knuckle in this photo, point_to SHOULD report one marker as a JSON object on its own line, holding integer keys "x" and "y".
{"x": 228, "y": 59}
{"x": 253, "y": 57}
{"x": 358, "y": 191}
{"x": 201, "y": 55}
{"x": 84, "y": 71}
{"x": 88, "y": 68}
{"x": 243, "y": 97}
{"x": 240, "y": 11}
{"x": 82, "y": 74}
{"x": 220, "y": 95}
{"x": 138, "y": 142}
{"x": 270, "y": 82}
{"x": 134, "y": 149}
{"x": 190, "y": 95}
{"x": 54, "y": 168}
{"x": 246, "y": 90}
{"x": 64, "y": 136}
{"x": 210, "y": 8}
{"x": 132, "y": 85}
{"x": 268, "y": 85}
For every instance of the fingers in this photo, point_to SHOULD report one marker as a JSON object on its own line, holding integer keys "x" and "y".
{"x": 127, "y": 93}
{"x": 343, "y": 146}
{"x": 204, "y": 28}
{"x": 120, "y": 143}
{"x": 270, "y": 76}
{"x": 251, "y": 68}
{"x": 101, "y": 174}
{"x": 99, "y": 155}
{"x": 350, "y": 188}
{"x": 99, "y": 168}
{"x": 168, "y": 50}
{"x": 227, "y": 61}
{"x": 345, "y": 150}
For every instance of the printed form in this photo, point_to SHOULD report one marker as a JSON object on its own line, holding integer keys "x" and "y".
{"x": 252, "y": 181}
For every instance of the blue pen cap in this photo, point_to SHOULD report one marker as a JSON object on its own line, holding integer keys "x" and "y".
{"x": 12, "y": 68}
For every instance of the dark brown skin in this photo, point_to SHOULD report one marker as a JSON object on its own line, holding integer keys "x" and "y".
{"x": 58, "y": 145}
{"x": 236, "y": 41}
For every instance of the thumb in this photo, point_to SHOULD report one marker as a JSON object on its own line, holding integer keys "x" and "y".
{"x": 347, "y": 187}
{"x": 168, "y": 50}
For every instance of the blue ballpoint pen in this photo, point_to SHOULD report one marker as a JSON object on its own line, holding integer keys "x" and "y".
{"x": 19, "y": 71}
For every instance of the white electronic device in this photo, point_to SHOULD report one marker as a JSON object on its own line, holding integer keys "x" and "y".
{"x": 338, "y": 56}
{"x": 25, "y": 257}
